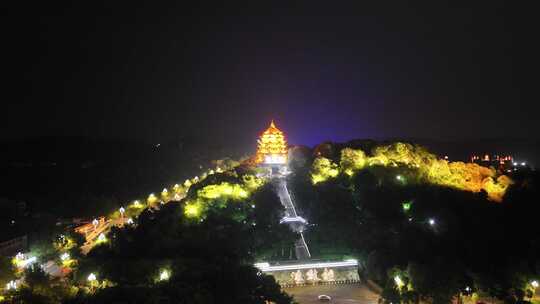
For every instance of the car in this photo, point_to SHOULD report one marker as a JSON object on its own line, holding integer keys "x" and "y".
{"x": 324, "y": 298}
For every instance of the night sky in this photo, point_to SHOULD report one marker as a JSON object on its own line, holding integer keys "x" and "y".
{"x": 323, "y": 72}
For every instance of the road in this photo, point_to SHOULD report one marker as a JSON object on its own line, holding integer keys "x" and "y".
{"x": 346, "y": 294}
{"x": 92, "y": 236}
{"x": 300, "y": 246}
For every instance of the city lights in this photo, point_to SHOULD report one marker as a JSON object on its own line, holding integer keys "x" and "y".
{"x": 534, "y": 284}
{"x": 91, "y": 277}
{"x": 21, "y": 261}
{"x": 431, "y": 221}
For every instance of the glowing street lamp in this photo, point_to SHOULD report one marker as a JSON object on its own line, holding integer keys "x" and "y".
{"x": 398, "y": 281}
{"x": 11, "y": 285}
{"x": 137, "y": 204}
{"x": 129, "y": 221}
{"x": 64, "y": 256}
{"x": 535, "y": 284}
{"x": 164, "y": 275}
{"x": 91, "y": 277}
{"x": 95, "y": 222}
{"x": 431, "y": 221}
{"x": 122, "y": 211}
{"x": 165, "y": 192}
{"x": 101, "y": 238}
{"x": 151, "y": 198}
{"x": 19, "y": 256}
{"x": 407, "y": 206}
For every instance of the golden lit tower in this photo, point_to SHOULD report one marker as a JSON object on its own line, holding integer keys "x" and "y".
{"x": 272, "y": 147}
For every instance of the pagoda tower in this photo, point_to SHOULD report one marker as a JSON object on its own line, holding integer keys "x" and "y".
{"x": 272, "y": 147}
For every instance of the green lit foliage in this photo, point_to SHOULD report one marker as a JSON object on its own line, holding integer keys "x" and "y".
{"x": 352, "y": 160}
{"x": 323, "y": 169}
{"x": 219, "y": 194}
{"x": 428, "y": 168}
{"x": 7, "y": 272}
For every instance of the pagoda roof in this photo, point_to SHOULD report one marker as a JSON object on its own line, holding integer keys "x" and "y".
{"x": 272, "y": 129}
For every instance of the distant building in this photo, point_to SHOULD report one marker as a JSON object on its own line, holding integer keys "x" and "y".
{"x": 14, "y": 245}
{"x": 499, "y": 162}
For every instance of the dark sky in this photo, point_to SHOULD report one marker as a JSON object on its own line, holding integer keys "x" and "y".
{"x": 321, "y": 71}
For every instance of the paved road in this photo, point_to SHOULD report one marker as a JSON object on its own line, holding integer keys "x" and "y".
{"x": 91, "y": 237}
{"x": 346, "y": 294}
{"x": 300, "y": 246}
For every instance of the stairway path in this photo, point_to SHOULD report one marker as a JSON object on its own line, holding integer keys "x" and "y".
{"x": 300, "y": 246}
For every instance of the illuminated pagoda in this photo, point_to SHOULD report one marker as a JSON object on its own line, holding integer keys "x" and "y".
{"x": 272, "y": 147}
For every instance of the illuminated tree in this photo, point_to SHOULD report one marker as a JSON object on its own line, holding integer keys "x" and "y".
{"x": 323, "y": 169}
{"x": 352, "y": 160}
{"x": 459, "y": 175}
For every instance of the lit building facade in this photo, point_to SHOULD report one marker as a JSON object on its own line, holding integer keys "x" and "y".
{"x": 272, "y": 147}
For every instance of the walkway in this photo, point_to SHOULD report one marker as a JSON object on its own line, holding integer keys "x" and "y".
{"x": 301, "y": 248}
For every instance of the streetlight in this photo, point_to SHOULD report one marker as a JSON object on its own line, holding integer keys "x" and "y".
{"x": 431, "y": 221}
{"x": 91, "y": 277}
{"x": 122, "y": 210}
{"x": 398, "y": 281}
{"x": 534, "y": 284}
{"x": 130, "y": 221}
{"x": 11, "y": 285}
{"x": 95, "y": 222}
{"x": 407, "y": 206}
{"x": 64, "y": 256}
{"x": 101, "y": 238}
{"x": 164, "y": 275}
